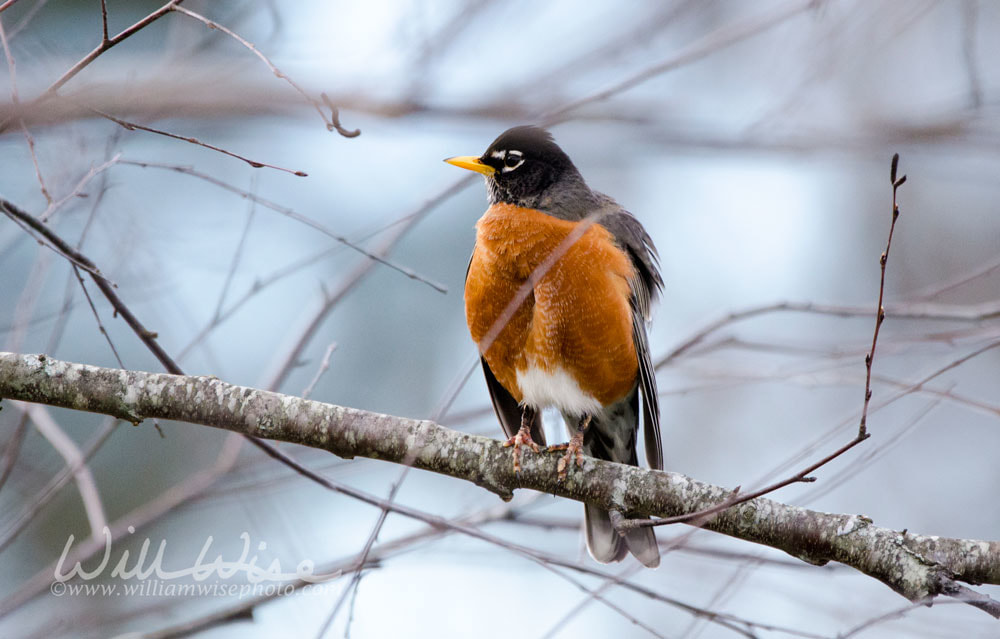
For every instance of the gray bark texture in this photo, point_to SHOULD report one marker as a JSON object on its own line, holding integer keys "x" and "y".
{"x": 917, "y": 567}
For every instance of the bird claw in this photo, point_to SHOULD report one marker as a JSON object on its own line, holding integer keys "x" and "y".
{"x": 522, "y": 438}
{"x": 574, "y": 449}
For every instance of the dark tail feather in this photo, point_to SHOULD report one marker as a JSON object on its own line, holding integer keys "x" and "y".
{"x": 641, "y": 542}
{"x": 606, "y": 545}
{"x": 603, "y": 541}
{"x": 611, "y": 436}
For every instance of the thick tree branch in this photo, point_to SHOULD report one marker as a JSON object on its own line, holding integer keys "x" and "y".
{"x": 915, "y": 566}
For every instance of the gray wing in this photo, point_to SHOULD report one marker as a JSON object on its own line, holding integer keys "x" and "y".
{"x": 650, "y": 400}
{"x": 645, "y": 288}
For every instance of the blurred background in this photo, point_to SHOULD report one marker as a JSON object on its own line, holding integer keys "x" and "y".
{"x": 752, "y": 140}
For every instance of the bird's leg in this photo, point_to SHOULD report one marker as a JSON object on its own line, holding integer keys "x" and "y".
{"x": 523, "y": 436}
{"x": 573, "y": 448}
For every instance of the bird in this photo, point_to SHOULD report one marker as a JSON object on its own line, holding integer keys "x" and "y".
{"x": 558, "y": 294}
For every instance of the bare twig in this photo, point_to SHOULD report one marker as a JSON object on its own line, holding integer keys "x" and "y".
{"x": 714, "y": 41}
{"x": 290, "y": 213}
{"x": 78, "y": 189}
{"x": 27, "y": 18}
{"x": 12, "y": 450}
{"x": 698, "y": 518}
{"x": 166, "y": 501}
{"x": 352, "y": 279}
{"x": 133, "y": 126}
{"x": 7, "y": 5}
{"x": 804, "y": 475}
{"x": 12, "y": 68}
{"x": 34, "y": 505}
{"x": 324, "y": 365}
{"x": 106, "y": 43}
{"x": 75, "y": 462}
{"x": 922, "y": 311}
{"x": 27, "y": 300}
{"x": 34, "y": 228}
{"x": 361, "y": 561}
{"x": 332, "y": 123}
{"x": 237, "y": 254}
{"x": 390, "y": 505}
{"x": 104, "y": 22}
{"x": 262, "y": 283}
{"x": 255, "y": 288}
{"x": 148, "y": 337}
{"x": 880, "y": 310}
{"x": 72, "y": 276}
{"x": 97, "y": 316}
{"x": 439, "y": 526}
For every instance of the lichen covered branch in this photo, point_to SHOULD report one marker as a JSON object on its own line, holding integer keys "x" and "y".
{"x": 917, "y": 567}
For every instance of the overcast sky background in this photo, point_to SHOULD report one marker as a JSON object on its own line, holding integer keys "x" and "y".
{"x": 759, "y": 168}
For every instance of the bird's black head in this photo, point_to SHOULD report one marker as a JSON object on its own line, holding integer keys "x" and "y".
{"x": 521, "y": 166}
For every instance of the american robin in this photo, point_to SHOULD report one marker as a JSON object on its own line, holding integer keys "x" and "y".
{"x": 557, "y": 297}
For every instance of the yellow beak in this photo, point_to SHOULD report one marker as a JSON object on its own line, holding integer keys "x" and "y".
{"x": 472, "y": 163}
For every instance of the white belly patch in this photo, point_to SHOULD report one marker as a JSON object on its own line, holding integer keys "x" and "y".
{"x": 556, "y": 388}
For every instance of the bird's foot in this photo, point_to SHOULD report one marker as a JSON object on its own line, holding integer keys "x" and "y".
{"x": 573, "y": 448}
{"x": 522, "y": 438}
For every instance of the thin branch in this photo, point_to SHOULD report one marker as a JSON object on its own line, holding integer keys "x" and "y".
{"x": 332, "y": 123}
{"x": 13, "y": 447}
{"x": 104, "y": 22}
{"x": 469, "y": 526}
{"x": 29, "y": 15}
{"x": 39, "y": 500}
{"x": 148, "y": 337}
{"x": 72, "y": 277}
{"x": 16, "y": 101}
{"x": 324, "y": 365}
{"x": 262, "y": 283}
{"x": 32, "y": 228}
{"x": 132, "y": 126}
{"x": 361, "y": 271}
{"x": 940, "y": 288}
{"x": 12, "y": 450}
{"x": 699, "y": 517}
{"x": 78, "y": 189}
{"x": 391, "y": 506}
{"x": 914, "y": 311}
{"x": 97, "y": 316}
{"x": 180, "y": 493}
{"x": 255, "y": 288}
{"x": 361, "y": 561}
{"x": 715, "y": 41}
{"x": 880, "y": 310}
{"x": 75, "y": 462}
{"x": 622, "y": 524}
{"x": 375, "y": 256}
{"x": 106, "y": 43}
{"x": 237, "y": 254}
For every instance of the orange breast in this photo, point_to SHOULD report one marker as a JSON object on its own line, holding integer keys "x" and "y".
{"x": 576, "y": 317}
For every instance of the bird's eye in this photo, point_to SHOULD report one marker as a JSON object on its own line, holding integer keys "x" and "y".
{"x": 512, "y": 160}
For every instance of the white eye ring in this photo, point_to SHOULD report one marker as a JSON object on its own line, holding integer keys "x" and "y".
{"x": 508, "y": 157}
